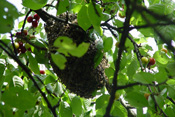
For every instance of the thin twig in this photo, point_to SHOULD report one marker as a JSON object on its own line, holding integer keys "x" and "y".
{"x": 137, "y": 52}
{"x": 171, "y": 100}
{"x": 25, "y": 20}
{"x": 11, "y": 36}
{"x": 156, "y": 104}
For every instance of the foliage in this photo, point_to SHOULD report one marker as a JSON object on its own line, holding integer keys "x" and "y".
{"x": 123, "y": 30}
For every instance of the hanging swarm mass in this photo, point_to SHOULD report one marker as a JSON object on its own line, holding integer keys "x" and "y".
{"x": 79, "y": 75}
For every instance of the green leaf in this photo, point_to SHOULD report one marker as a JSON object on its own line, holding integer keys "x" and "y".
{"x": 64, "y": 44}
{"x": 98, "y": 57}
{"x": 118, "y": 23}
{"x": 62, "y": 6}
{"x": 102, "y": 101}
{"x": 99, "y": 30}
{"x": 8, "y": 13}
{"x": 109, "y": 72}
{"x": 171, "y": 67}
{"x": 17, "y": 81}
{"x": 171, "y": 82}
{"x": 19, "y": 98}
{"x": 159, "y": 100}
{"x": 131, "y": 70}
{"x": 167, "y": 32}
{"x": 157, "y": 8}
{"x": 33, "y": 63}
{"x": 65, "y": 110}
{"x": 161, "y": 76}
{"x": 107, "y": 43}
{"x": 161, "y": 57}
{"x": 169, "y": 111}
{"x": 80, "y": 50}
{"x": 34, "y": 4}
{"x": 59, "y": 60}
{"x": 2, "y": 66}
{"x": 122, "y": 79}
{"x": 58, "y": 89}
{"x": 171, "y": 91}
{"x": 95, "y": 15}
{"x": 147, "y": 32}
{"x": 83, "y": 19}
{"x": 144, "y": 77}
{"x": 76, "y": 106}
{"x": 40, "y": 1}
{"x": 118, "y": 110}
{"x": 136, "y": 99}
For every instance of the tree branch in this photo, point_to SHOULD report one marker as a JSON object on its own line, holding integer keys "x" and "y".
{"x": 171, "y": 100}
{"x": 117, "y": 63}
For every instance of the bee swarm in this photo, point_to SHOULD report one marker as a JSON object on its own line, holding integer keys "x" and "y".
{"x": 79, "y": 75}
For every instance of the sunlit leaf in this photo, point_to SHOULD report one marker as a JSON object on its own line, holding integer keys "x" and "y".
{"x": 80, "y": 50}
{"x": 59, "y": 60}
{"x": 76, "y": 105}
{"x": 34, "y": 4}
{"x": 83, "y": 19}
{"x": 65, "y": 110}
{"x": 107, "y": 43}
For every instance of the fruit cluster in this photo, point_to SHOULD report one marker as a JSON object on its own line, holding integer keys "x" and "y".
{"x": 34, "y": 20}
{"x": 20, "y": 44}
{"x": 149, "y": 62}
{"x": 21, "y": 47}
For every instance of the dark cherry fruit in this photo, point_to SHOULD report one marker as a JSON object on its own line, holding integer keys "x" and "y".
{"x": 23, "y": 49}
{"x": 36, "y": 17}
{"x": 30, "y": 19}
{"x": 35, "y": 23}
{"x": 42, "y": 72}
{"x": 20, "y": 44}
{"x": 152, "y": 61}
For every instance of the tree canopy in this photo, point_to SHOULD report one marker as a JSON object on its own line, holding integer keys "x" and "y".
{"x": 87, "y": 58}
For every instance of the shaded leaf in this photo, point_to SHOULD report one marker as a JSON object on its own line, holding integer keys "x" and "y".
{"x": 62, "y": 6}
{"x": 33, "y": 63}
{"x": 8, "y": 13}
{"x": 19, "y": 98}
{"x": 131, "y": 70}
{"x": 144, "y": 77}
{"x": 136, "y": 99}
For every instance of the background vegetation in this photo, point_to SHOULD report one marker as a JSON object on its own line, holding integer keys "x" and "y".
{"x": 141, "y": 79}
